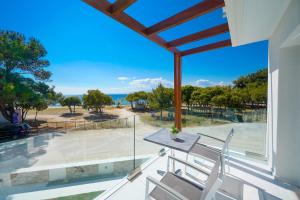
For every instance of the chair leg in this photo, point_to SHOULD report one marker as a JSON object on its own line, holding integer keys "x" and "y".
{"x": 186, "y": 160}
{"x": 173, "y": 162}
{"x": 147, "y": 190}
{"x": 228, "y": 160}
{"x": 168, "y": 164}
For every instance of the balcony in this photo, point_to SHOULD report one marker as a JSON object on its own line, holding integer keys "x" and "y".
{"x": 99, "y": 157}
{"x": 241, "y": 182}
{"x": 110, "y": 159}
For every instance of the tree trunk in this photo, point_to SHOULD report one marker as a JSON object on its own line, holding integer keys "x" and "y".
{"x": 131, "y": 103}
{"x": 36, "y": 112}
{"x": 24, "y": 114}
{"x": 74, "y": 109}
{"x": 70, "y": 108}
{"x": 161, "y": 114}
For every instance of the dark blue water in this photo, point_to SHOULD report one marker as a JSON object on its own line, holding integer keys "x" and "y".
{"x": 119, "y": 98}
{"x": 116, "y": 98}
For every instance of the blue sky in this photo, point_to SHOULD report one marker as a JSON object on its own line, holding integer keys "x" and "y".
{"x": 89, "y": 50}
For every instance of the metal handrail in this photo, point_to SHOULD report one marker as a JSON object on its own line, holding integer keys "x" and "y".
{"x": 187, "y": 164}
{"x": 208, "y": 136}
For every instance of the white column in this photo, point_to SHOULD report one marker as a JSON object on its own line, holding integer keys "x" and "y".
{"x": 284, "y": 96}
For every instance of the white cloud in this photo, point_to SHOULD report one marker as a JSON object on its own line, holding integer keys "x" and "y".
{"x": 68, "y": 90}
{"x": 119, "y": 90}
{"x": 123, "y": 78}
{"x": 149, "y": 83}
{"x": 74, "y": 90}
{"x": 202, "y": 83}
{"x": 208, "y": 83}
{"x": 134, "y": 85}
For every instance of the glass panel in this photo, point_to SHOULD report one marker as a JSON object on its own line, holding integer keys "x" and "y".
{"x": 74, "y": 154}
{"x": 60, "y": 154}
{"x": 249, "y": 140}
{"x": 144, "y": 150}
{"x": 158, "y": 118}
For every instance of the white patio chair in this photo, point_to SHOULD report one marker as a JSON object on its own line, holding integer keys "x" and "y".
{"x": 212, "y": 154}
{"x": 175, "y": 187}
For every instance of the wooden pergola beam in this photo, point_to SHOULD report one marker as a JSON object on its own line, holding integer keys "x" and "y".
{"x": 120, "y": 6}
{"x": 116, "y": 9}
{"x": 177, "y": 90}
{"x": 216, "y": 30}
{"x": 186, "y": 15}
{"x": 223, "y": 43}
{"x": 104, "y": 6}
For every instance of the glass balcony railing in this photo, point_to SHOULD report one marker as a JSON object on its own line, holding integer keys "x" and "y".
{"x": 74, "y": 154}
{"x": 81, "y": 153}
{"x": 250, "y": 126}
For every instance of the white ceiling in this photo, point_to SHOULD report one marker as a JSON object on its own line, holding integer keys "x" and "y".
{"x": 293, "y": 39}
{"x": 253, "y": 20}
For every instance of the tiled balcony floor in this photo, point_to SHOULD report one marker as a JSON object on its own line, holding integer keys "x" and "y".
{"x": 240, "y": 183}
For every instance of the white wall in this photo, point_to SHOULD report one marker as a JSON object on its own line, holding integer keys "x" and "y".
{"x": 284, "y": 96}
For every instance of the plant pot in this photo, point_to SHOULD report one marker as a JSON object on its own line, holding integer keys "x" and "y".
{"x": 173, "y": 136}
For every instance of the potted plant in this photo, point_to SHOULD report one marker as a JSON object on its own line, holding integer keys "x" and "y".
{"x": 173, "y": 133}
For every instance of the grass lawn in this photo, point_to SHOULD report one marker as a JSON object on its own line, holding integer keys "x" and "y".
{"x": 85, "y": 196}
{"x": 187, "y": 120}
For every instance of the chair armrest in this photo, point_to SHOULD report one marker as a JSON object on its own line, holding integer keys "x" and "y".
{"x": 210, "y": 148}
{"x": 189, "y": 164}
{"x": 166, "y": 188}
{"x": 211, "y": 137}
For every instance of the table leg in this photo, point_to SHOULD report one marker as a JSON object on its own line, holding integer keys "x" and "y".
{"x": 173, "y": 162}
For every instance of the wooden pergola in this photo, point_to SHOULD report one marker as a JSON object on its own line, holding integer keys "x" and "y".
{"x": 116, "y": 11}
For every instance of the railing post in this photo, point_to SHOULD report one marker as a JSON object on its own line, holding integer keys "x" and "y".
{"x": 133, "y": 142}
{"x": 177, "y": 89}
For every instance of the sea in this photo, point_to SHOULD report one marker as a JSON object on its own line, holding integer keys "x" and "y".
{"x": 116, "y": 98}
